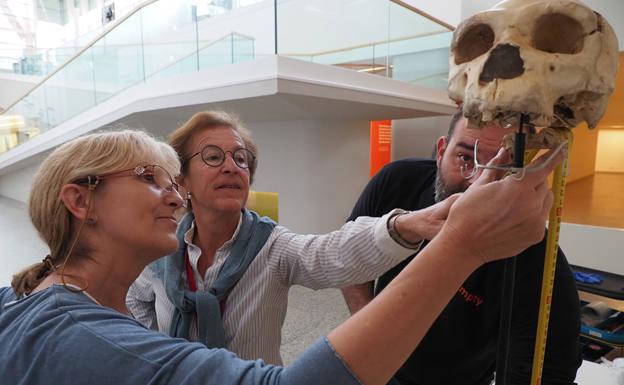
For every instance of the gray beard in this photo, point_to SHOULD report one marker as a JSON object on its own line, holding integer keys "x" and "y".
{"x": 443, "y": 190}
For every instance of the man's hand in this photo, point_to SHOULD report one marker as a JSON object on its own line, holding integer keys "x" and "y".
{"x": 425, "y": 223}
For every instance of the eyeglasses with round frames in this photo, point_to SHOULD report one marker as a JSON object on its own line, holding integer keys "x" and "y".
{"x": 467, "y": 167}
{"x": 467, "y": 163}
{"x": 152, "y": 174}
{"x": 214, "y": 156}
{"x": 516, "y": 172}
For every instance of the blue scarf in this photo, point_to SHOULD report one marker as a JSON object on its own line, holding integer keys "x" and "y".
{"x": 252, "y": 235}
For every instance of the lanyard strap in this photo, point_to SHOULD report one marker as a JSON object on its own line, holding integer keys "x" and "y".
{"x": 192, "y": 284}
{"x": 190, "y": 276}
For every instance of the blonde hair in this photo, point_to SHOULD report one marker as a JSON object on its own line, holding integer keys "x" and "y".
{"x": 90, "y": 155}
{"x": 205, "y": 120}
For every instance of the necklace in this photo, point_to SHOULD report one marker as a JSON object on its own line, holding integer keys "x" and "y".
{"x": 82, "y": 291}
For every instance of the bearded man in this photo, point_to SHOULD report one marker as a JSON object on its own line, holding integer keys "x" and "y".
{"x": 460, "y": 348}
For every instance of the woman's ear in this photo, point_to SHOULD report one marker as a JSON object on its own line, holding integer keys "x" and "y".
{"x": 76, "y": 199}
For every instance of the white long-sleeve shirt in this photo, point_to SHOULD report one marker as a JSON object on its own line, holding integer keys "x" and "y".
{"x": 358, "y": 252}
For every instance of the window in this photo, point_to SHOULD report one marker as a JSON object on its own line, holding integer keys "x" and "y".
{"x": 52, "y": 11}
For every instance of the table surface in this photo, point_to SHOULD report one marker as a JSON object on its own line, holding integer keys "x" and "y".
{"x": 591, "y": 373}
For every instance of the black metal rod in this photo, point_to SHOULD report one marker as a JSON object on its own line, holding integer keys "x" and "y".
{"x": 509, "y": 279}
{"x": 520, "y": 143}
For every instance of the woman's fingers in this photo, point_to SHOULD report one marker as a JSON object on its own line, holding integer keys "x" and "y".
{"x": 542, "y": 167}
{"x": 547, "y": 205}
{"x": 511, "y": 212}
{"x": 490, "y": 175}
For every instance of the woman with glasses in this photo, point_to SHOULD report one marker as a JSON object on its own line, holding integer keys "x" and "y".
{"x": 105, "y": 203}
{"x": 227, "y": 284}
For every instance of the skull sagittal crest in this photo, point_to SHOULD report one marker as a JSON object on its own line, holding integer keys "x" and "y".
{"x": 554, "y": 60}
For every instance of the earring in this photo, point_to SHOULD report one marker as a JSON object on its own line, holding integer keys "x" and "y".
{"x": 49, "y": 263}
{"x": 188, "y": 195}
{"x": 90, "y": 221}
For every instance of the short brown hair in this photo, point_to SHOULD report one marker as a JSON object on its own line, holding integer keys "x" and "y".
{"x": 454, "y": 120}
{"x": 180, "y": 138}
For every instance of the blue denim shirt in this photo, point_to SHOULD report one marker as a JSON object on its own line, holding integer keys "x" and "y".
{"x": 56, "y": 336}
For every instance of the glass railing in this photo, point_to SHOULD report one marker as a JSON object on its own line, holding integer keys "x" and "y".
{"x": 167, "y": 38}
{"x": 386, "y": 38}
{"x": 421, "y": 60}
{"x": 35, "y": 62}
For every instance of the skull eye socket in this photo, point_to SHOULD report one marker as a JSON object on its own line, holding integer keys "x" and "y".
{"x": 472, "y": 43}
{"x": 558, "y": 33}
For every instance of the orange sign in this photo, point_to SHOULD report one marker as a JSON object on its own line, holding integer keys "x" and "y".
{"x": 380, "y": 144}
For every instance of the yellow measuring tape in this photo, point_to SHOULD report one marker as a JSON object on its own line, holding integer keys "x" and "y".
{"x": 550, "y": 260}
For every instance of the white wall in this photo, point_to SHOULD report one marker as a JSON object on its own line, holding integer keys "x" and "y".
{"x": 416, "y": 137}
{"x": 594, "y": 247}
{"x": 319, "y": 169}
{"x": 16, "y": 184}
{"x": 610, "y": 157}
{"x": 12, "y": 87}
{"x": 21, "y": 245}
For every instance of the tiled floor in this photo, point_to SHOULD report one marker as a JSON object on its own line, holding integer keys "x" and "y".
{"x": 596, "y": 200}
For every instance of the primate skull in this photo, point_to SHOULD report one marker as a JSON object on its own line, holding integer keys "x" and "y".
{"x": 554, "y": 60}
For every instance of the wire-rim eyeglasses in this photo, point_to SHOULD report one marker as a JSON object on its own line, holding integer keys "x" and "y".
{"x": 214, "y": 156}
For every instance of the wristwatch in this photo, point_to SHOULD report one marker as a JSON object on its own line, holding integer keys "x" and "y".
{"x": 394, "y": 233}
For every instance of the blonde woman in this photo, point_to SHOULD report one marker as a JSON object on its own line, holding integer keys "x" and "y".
{"x": 104, "y": 204}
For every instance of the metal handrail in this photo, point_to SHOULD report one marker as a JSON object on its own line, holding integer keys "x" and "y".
{"x": 424, "y": 34}
{"x": 423, "y": 14}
